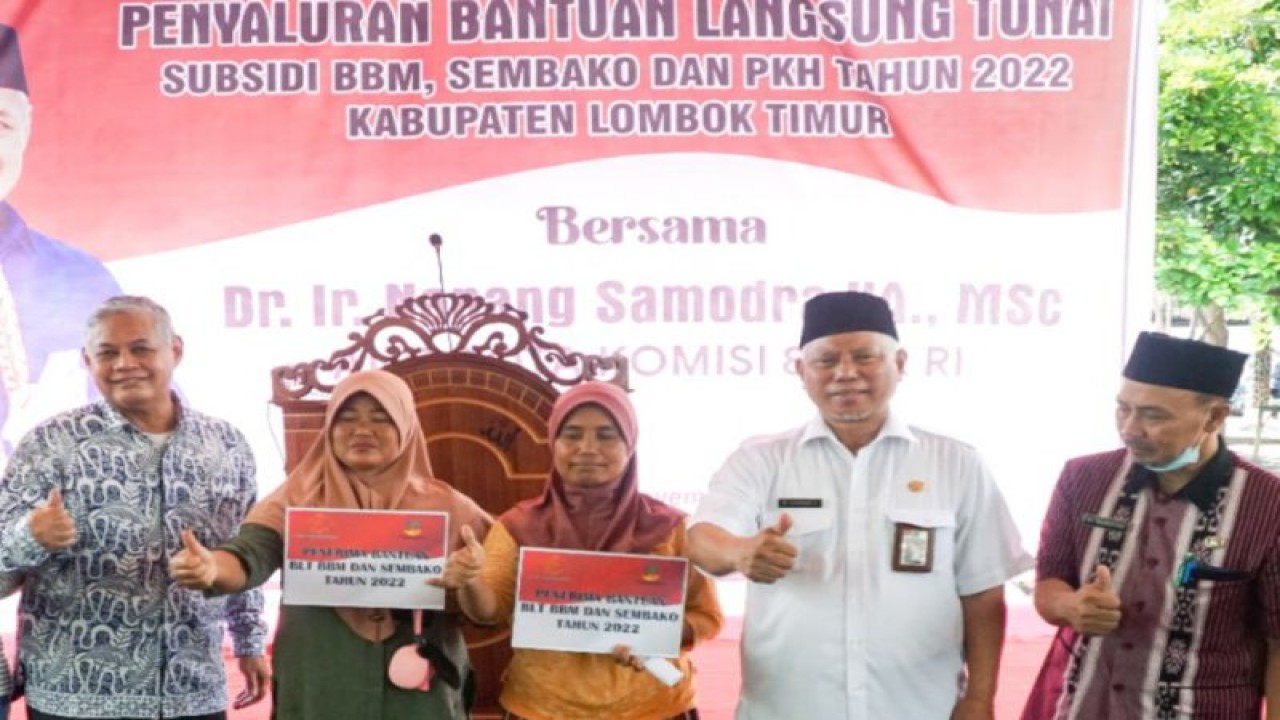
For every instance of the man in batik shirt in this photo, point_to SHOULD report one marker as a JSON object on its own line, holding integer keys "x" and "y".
{"x": 91, "y": 508}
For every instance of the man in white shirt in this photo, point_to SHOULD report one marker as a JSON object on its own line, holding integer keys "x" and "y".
{"x": 877, "y": 551}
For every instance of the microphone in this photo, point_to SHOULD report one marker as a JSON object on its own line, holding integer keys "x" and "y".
{"x": 436, "y": 242}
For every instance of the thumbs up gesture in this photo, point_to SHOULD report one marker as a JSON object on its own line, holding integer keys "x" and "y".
{"x": 1097, "y": 606}
{"x": 768, "y": 555}
{"x": 51, "y": 525}
{"x": 464, "y": 564}
{"x": 193, "y": 566}
{"x": 1101, "y": 579}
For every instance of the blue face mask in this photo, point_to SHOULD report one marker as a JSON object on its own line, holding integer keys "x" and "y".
{"x": 1185, "y": 458}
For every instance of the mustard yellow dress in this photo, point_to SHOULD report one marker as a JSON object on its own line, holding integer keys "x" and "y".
{"x": 556, "y": 685}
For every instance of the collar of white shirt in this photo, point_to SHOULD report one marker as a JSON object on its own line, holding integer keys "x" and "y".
{"x": 894, "y": 427}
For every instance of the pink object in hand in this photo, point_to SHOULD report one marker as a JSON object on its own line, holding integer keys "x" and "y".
{"x": 407, "y": 668}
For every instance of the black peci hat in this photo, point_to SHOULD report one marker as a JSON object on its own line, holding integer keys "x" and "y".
{"x": 841, "y": 312}
{"x": 12, "y": 74}
{"x": 1158, "y": 359}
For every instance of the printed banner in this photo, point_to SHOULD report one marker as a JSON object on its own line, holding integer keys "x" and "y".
{"x": 666, "y": 180}
{"x": 591, "y": 601}
{"x": 364, "y": 558}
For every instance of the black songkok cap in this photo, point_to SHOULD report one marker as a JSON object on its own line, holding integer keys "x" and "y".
{"x": 841, "y": 312}
{"x": 1158, "y": 359}
{"x": 12, "y": 74}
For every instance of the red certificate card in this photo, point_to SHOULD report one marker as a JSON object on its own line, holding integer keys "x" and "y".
{"x": 589, "y": 602}
{"x": 364, "y": 558}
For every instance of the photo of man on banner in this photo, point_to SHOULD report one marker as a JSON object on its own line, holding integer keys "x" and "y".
{"x": 46, "y": 286}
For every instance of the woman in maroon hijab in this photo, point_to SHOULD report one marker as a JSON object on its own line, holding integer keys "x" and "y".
{"x": 590, "y": 502}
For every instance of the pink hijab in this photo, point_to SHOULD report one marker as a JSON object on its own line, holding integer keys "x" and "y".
{"x": 320, "y": 481}
{"x": 614, "y": 517}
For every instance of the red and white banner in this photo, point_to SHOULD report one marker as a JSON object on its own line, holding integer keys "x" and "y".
{"x": 579, "y": 601}
{"x": 666, "y": 179}
{"x": 364, "y": 558}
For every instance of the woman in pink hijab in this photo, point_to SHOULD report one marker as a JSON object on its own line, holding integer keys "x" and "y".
{"x": 590, "y": 502}
{"x": 332, "y": 663}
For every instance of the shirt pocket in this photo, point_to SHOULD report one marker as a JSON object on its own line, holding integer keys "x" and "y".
{"x": 922, "y": 517}
{"x": 813, "y": 535}
{"x": 940, "y": 522}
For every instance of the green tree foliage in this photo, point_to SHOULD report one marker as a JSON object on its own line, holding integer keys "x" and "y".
{"x": 1218, "y": 212}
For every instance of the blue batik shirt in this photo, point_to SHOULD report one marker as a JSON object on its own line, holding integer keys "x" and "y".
{"x": 104, "y": 630}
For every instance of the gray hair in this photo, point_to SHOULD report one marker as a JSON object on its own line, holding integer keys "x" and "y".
{"x": 130, "y": 305}
{"x": 886, "y": 344}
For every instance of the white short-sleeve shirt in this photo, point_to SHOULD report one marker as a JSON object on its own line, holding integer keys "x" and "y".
{"x": 844, "y": 635}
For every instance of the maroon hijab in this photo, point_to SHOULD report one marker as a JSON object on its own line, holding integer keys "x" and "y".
{"x": 614, "y": 517}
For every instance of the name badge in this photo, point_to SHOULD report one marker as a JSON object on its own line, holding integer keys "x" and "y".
{"x": 799, "y": 502}
{"x": 1105, "y": 523}
{"x": 912, "y": 548}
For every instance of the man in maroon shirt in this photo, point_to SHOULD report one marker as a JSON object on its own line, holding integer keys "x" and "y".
{"x": 1160, "y": 562}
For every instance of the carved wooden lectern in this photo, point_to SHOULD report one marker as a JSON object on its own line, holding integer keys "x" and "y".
{"x": 484, "y": 383}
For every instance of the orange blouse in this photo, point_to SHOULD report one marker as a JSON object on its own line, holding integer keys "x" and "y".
{"x": 556, "y": 685}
